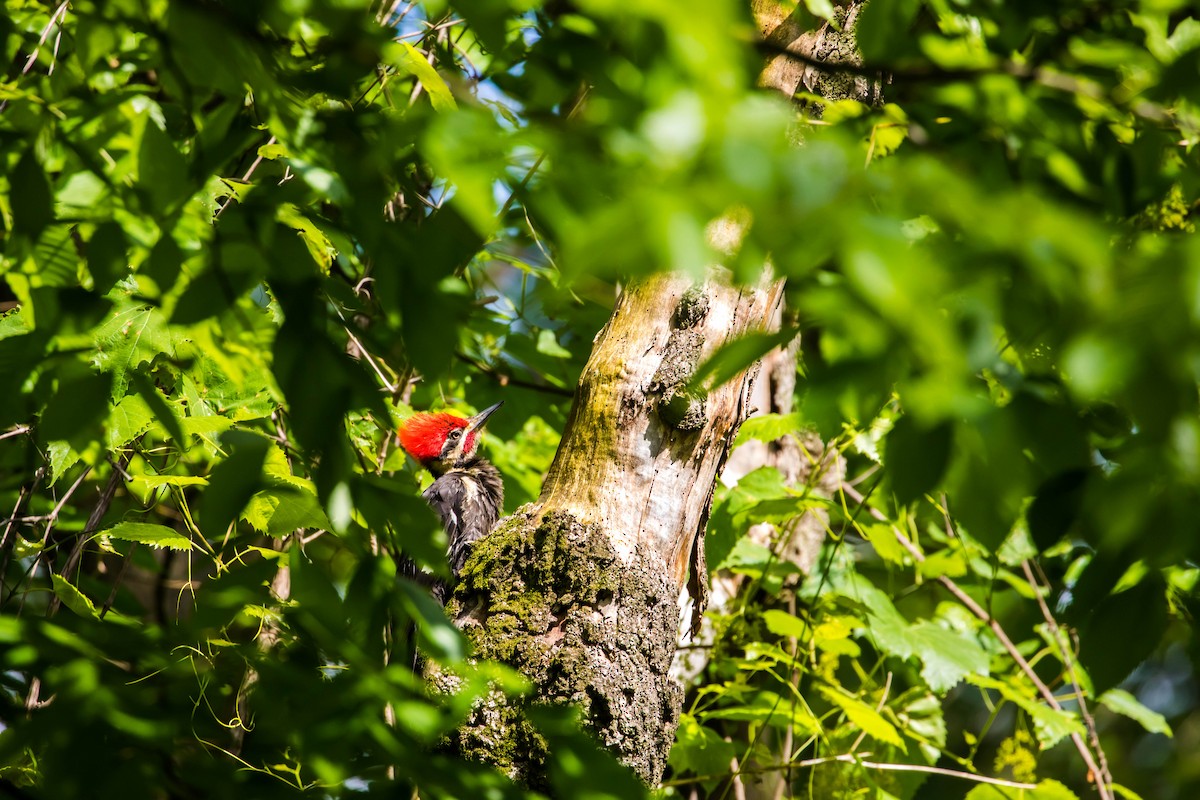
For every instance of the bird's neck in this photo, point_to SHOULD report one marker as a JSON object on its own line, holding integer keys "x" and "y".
{"x": 474, "y": 464}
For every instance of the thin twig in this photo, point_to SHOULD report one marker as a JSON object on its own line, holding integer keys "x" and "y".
{"x": 1069, "y": 663}
{"x": 5, "y": 545}
{"x": 112, "y": 596}
{"x": 268, "y": 635}
{"x": 29, "y": 62}
{"x": 505, "y": 380}
{"x": 245, "y": 178}
{"x": 50, "y": 520}
{"x": 851, "y": 758}
{"x": 17, "y": 431}
{"x": 106, "y": 497}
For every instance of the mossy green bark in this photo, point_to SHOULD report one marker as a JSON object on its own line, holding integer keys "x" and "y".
{"x": 549, "y": 596}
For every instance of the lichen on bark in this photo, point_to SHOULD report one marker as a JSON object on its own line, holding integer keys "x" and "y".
{"x": 541, "y": 594}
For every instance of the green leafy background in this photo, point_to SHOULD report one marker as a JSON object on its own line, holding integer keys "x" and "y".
{"x": 242, "y": 241}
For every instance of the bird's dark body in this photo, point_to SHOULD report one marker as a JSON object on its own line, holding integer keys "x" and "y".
{"x": 468, "y": 501}
{"x": 467, "y": 492}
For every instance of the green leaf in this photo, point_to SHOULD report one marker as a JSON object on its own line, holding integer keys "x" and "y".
{"x": 882, "y": 29}
{"x": 864, "y": 717}
{"x": 736, "y": 355}
{"x": 107, "y": 258}
{"x": 1124, "y": 703}
{"x": 785, "y": 624}
{"x": 76, "y": 408}
{"x": 769, "y": 708}
{"x": 35, "y": 210}
{"x": 157, "y": 536}
{"x": 438, "y": 635}
{"x": 164, "y": 413}
{"x": 1052, "y": 790}
{"x": 581, "y": 768}
{"x": 952, "y": 562}
{"x": 1055, "y": 507}
{"x": 699, "y": 749}
{"x": 72, "y": 598}
{"x": 233, "y": 481}
{"x": 548, "y": 345}
{"x": 129, "y": 419}
{"x": 133, "y": 335}
{"x": 1123, "y": 631}
{"x": 410, "y": 59}
{"x": 56, "y": 257}
{"x": 820, "y": 8}
{"x": 1049, "y": 725}
{"x": 947, "y": 656}
{"x": 884, "y": 540}
{"x": 768, "y": 428}
{"x": 162, "y": 170}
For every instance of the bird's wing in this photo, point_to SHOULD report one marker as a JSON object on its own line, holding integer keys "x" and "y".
{"x": 445, "y": 496}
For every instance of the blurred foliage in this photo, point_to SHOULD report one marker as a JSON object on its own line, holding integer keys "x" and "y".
{"x": 242, "y": 240}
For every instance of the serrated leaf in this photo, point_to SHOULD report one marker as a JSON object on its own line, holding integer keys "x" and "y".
{"x": 72, "y": 598}
{"x": 162, "y": 410}
{"x": 947, "y": 656}
{"x": 1125, "y": 704}
{"x": 156, "y": 536}
{"x": 888, "y": 628}
{"x": 864, "y": 717}
{"x": 132, "y": 336}
{"x": 768, "y": 428}
{"x": 61, "y": 457}
{"x": 129, "y": 419}
{"x": 1049, "y": 725}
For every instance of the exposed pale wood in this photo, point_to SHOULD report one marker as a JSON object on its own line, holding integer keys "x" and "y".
{"x": 579, "y": 590}
{"x": 619, "y": 463}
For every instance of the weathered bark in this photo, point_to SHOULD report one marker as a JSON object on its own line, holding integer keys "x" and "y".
{"x": 579, "y": 590}
{"x": 807, "y": 61}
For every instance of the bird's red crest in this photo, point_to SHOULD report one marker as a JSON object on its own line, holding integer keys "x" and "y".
{"x": 422, "y": 435}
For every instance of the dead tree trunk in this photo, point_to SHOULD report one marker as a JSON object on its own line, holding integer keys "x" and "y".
{"x": 579, "y": 590}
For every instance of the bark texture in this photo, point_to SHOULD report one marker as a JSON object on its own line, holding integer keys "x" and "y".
{"x": 579, "y": 590}
{"x": 813, "y": 68}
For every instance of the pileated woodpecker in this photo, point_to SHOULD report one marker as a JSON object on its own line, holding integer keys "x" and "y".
{"x": 467, "y": 491}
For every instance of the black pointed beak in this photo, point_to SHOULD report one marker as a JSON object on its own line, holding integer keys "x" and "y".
{"x": 476, "y": 422}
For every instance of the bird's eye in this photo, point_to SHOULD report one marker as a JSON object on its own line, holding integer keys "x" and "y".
{"x": 454, "y": 434}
